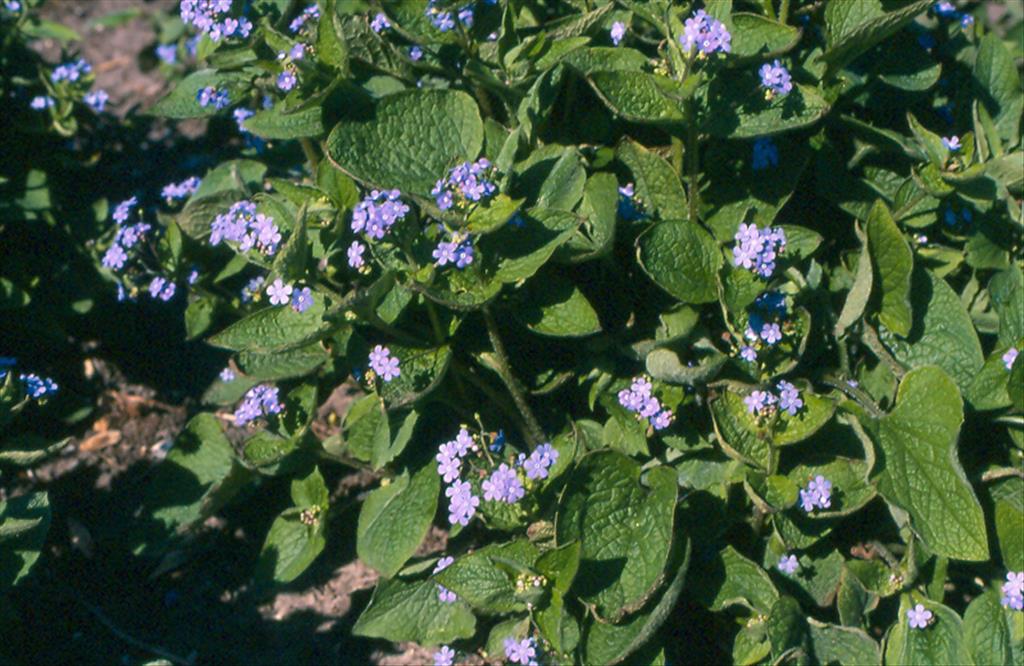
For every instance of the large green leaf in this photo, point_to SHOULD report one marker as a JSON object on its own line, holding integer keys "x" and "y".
{"x": 291, "y": 546}
{"x": 728, "y": 578}
{"x": 411, "y": 141}
{"x": 520, "y": 252}
{"x": 917, "y": 468}
{"x": 624, "y": 528}
{"x": 739, "y": 111}
{"x": 942, "y": 333}
{"x": 274, "y": 366}
{"x": 755, "y": 36}
{"x": 557, "y": 308}
{"x": 484, "y": 586}
{"x": 834, "y": 644}
{"x": 422, "y": 369}
{"x": 657, "y": 185}
{"x": 395, "y": 518}
{"x": 682, "y": 259}
{"x": 410, "y": 611}
{"x": 854, "y": 27}
{"x": 613, "y": 643}
{"x": 893, "y": 262}
{"x": 641, "y": 97}
{"x": 275, "y": 124}
{"x": 1008, "y": 499}
{"x": 274, "y": 328}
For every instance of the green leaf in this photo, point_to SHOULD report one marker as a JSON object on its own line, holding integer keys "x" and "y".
{"x": 395, "y": 518}
{"x": 942, "y": 333}
{"x": 291, "y": 546}
{"x": 858, "y": 296}
{"x": 522, "y": 251}
{"x": 755, "y": 36}
{"x": 199, "y": 316}
{"x": 613, "y": 643}
{"x": 939, "y": 643}
{"x": 274, "y": 366}
{"x": 682, "y": 259}
{"x": 987, "y": 389}
{"x": 556, "y": 307}
{"x": 366, "y": 428}
{"x": 641, "y": 97}
{"x": 851, "y": 490}
{"x": 993, "y": 634}
{"x": 996, "y": 74}
{"x": 664, "y": 364}
{"x": 275, "y": 328}
{"x": 624, "y": 528}
{"x": 403, "y": 434}
{"x": 1006, "y": 289}
{"x": 1008, "y": 498}
{"x": 268, "y": 452}
{"x": 37, "y": 28}
{"x": 411, "y": 141}
{"x": 553, "y": 176}
{"x": 786, "y": 627}
{"x": 273, "y": 123}
{"x": 855, "y": 27}
{"x": 421, "y": 371}
{"x": 606, "y": 59}
{"x": 599, "y": 207}
{"x": 728, "y": 579}
{"x": 657, "y": 185}
{"x": 893, "y": 262}
{"x": 410, "y": 611}
{"x": 493, "y": 216}
{"x": 24, "y": 523}
{"x": 180, "y": 492}
{"x": 917, "y": 468}
{"x": 834, "y": 644}
{"x": 231, "y": 176}
{"x": 488, "y": 588}
{"x": 747, "y": 115}
{"x": 181, "y": 102}
{"x": 310, "y": 491}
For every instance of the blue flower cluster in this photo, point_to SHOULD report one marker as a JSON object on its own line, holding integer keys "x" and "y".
{"x": 35, "y": 387}
{"x": 182, "y": 190}
{"x": 775, "y": 79}
{"x": 71, "y": 71}
{"x": 947, "y": 10}
{"x": 443, "y": 20}
{"x": 444, "y": 595}
{"x": 380, "y": 23}
{"x": 457, "y": 250}
{"x": 757, "y": 250}
{"x": 259, "y": 401}
{"x": 210, "y": 95}
{"x": 787, "y": 564}
{"x": 162, "y": 288}
{"x": 378, "y": 212}
{"x": 127, "y": 236}
{"x": 312, "y": 12}
{"x": 521, "y": 651}
{"x": 466, "y": 184}
{"x": 211, "y": 17}
{"x": 243, "y": 225}
{"x": 764, "y": 324}
{"x": 705, "y": 33}
{"x": 639, "y": 400}
{"x": 383, "y": 364}
{"x": 97, "y": 100}
{"x": 817, "y": 494}
{"x": 281, "y": 293}
{"x": 763, "y": 402}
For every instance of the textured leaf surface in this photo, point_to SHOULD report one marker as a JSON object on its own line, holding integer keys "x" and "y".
{"x": 996, "y": 75}
{"x": 729, "y": 578}
{"x": 657, "y": 184}
{"x": 641, "y": 97}
{"x": 273, "y": 328}
{"x": 395, "y": 518}
{"x": 834, "y": 644}
{"x": 484, "y": 586}
{"x": 559, "y": 309}
{"x": 942, "y": 333}
{"x": 624, "y": 529}
{"x": 411, "y": 141}
{"x": 939, "y": 643}
{"x": 274, "y": 124}
{"x": 854, "y": 27}
{"x": 682, "y": 259}
{"x": 181, "y": 102}
{"x": 993, "y": 634}
{"x": 746, "y": 115}
{"x": 410, "y": 611}
{"x": 893, "y": 262}
{"x": 918, "y": 469}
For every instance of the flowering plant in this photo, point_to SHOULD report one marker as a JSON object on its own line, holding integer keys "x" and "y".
{"x": 638, "y": 306}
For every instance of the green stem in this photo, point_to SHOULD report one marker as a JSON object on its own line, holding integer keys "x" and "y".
{"x": 692, "y": 162}
{"x": 784, "y": 11}
{"x": 677, "y": 156}
{"x": 461, "y": 371}
{"x": 870, "y": 338}
{"x": 856, "y": 394}
{"x": 310, "y": 152}
{"x": 534, "y": 432}
{"x": 435, "y": 323}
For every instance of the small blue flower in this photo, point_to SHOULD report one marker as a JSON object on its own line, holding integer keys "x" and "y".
{"x": 97, "y": 100}
{"x": 355, "y": 254}
{"x": 445, "y": 656}
{"x": 775, "y": 79}
{"x": 279, "y": 292}
{"x": 261, "y": 400}
{"x": 789, "y": 398}
{"x": 286, "y": 80}
{"x": 462, "y": 503}
{"x": 919, "y": 617}
{"x": 168, "y": 53}
{"x": 748, "y": 353}
{"x": 817, "y": 494}
{"x": 40, "y": 102}
{"x": 1010, "y": 357}
{"x": 227, "y": 375}
{"x": 503, "y": 486}
{"x": 618, "y": 32}
{"x": 787, "y": 564}
{"x": 415, "y": 53}
{"x": 380, "y": 23}
{"x": 302, "y": 299}
{"x": 382, "y": 363}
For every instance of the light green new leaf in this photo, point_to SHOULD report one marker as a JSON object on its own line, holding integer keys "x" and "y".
{"x": 395, "y": 518}
{"x": 917, "y": 468}
{"x": 411, "y": 141}
{"x": 893, "y": 262}
{"x": 682, "y": 259}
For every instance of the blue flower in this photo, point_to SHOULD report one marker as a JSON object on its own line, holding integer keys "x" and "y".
{"x": 705, "y": 33}
{"x": 789, "y": 398}
{"x": 618, "y": 32}
{"x": 382, "y": 363}
{"x": 817, "y": 494}
{"x": 40, "y": 102}
{"x": 503, "y": 486}
{"x": 415, "y": 53}
{"x": 787, "y": 564}
{"x": 1009, "y": 357}
{"x": 355, "y": 254}
{"x": 302, "y": 299}
{"x": 775, "y": 79}
{"x": 757, "y": 250}
{"x": 520, "y": 652}
{"x": 261, "y": 400}
{"x": 97, "y": 100}
{"x": 286, "y": 80}
{"x": 310, "y": 12}
{"x": 227, "y": 375}
{"x": 380, "y": 23}
{"x": 919, "y": 617}
{"x": 211, "y": 96}
{"x": 445, "y": 656}
{"x": 182, "y": 190}
{"x": 279, "y": 292}
{"x": 378, "y": 212}
{"x": 168, "y": 53}
{"x": 952, "y": 143}
{"x": 462, "y": 503}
